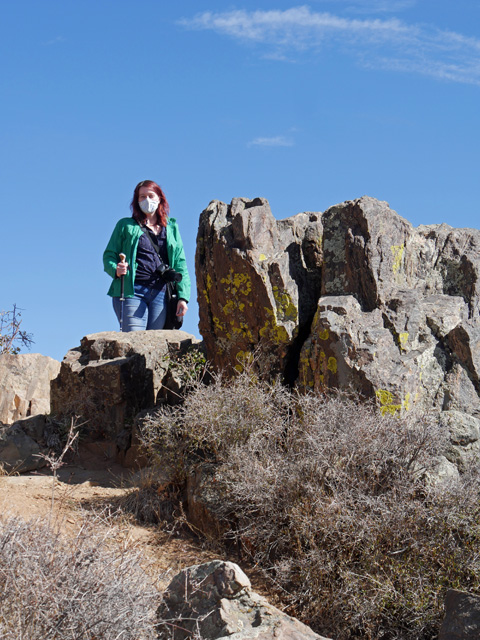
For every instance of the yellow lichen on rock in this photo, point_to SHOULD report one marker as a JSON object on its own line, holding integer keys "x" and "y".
{"x": 208, "y": 285}
{"x": 229, "y": 324}
{"x": 332, "y": 364}
{"x": 397, "y": 251}
{"x": 237, "y": 283}
{"x": 243, "y": 358}
{"x": 272, "y": 331}
{"x": 391, "y": 408}
{"x": 242, "y": 329}
{"x": 219, "y": 326}
{"x": 304, "y": 370}
{"x": 286, "y": 310}
{"x": 385, "y": 399}
{"x": 403, "y": 339}
{"x": 229, "y": 307}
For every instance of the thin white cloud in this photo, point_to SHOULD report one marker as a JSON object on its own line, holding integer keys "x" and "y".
{"x": 376, "y": 43}
{"x": 371, "y": 6}
{"x": 379, "y": 6}
{"x": 285, "y": 26}
{"x": 56, "y": 40}
{"x": 275, "y": 141}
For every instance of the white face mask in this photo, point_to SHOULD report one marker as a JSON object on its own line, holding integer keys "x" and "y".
{"x": 149, "y": 205}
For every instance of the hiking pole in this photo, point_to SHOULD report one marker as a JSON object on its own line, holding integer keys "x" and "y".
{"x": 122, "y": 257}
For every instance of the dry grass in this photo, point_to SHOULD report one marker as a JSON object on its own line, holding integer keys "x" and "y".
{"x": 333, "y": 501}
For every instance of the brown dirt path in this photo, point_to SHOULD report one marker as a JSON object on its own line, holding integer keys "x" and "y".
{"x": 91, "y": 479}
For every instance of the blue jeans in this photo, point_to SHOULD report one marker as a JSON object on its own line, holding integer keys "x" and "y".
{"x": 146, "y": 310}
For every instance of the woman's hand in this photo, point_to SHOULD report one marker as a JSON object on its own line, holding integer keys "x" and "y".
{"x": 122, "y": 268}
{"x": 182, "y": 308}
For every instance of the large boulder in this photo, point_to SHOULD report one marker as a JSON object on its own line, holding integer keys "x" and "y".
{"x": 389, "y": 353}
{"x": 398, "y": 318}
{"x": 113, "y": 376}
{"x": 258, "y": 280}
{"x": 19, "y": 452}
{"x": 371, "y": 252}
{"x": 214, "y": 601}
{"x": 25, "y": 385}
{"x": 25, "y": 443}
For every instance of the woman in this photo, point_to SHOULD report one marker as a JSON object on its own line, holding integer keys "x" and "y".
{"x": 154, "y": 255}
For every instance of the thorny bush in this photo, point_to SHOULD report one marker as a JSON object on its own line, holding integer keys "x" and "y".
{"x": 79, "y": 588}
{"x": 340, "y": 506}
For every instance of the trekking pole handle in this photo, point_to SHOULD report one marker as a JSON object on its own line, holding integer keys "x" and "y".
{"x": 122, "y": 257}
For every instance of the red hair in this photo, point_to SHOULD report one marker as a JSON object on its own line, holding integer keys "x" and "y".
{"x": 162, "y": 210}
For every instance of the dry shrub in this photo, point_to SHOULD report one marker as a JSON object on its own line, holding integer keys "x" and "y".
{"x": 153, "y": 500}
{"x": 334, "y": 501}
{"x": 212, "y": 420}
{"x": 79, "y": 588}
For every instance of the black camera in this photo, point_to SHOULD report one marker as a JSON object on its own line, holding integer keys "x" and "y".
{"x": 169, "y": 274}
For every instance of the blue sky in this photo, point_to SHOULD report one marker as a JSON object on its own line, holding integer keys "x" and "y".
{"x": 306, "y": 105}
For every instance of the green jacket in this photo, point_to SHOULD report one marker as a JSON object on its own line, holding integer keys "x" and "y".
{"x": 125, "y": 239}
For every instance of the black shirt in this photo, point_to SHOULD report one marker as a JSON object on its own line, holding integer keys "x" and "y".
{"x": 148, "y": 261}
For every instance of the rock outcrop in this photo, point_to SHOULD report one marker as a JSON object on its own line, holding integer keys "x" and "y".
{"x": 354, "y": 298}
{"x": 398, "y": 316}
{"x": 25, "y": 385}
{"x": 215, "y": 601}
{"x": 113, "y": 376}
{"x": 258, "y": 280}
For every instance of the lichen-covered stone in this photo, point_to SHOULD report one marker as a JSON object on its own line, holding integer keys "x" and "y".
{"x": 214, "y": 601}
{"x": 389, "y": 354}
{"x": 354, "y": 298}
{"x": 258, "y": 280}
{"x": 408, "y": 333}
{"x": 363, "y": 249}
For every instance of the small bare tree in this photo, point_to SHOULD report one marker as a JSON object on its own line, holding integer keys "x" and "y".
{"x": 55, "y": 462}
{"x": 12, "y": 338}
